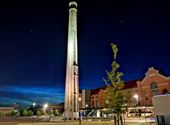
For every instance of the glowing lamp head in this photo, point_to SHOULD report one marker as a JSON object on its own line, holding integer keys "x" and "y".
{"x": 86, "y": 105}
{"x": 45, "y": 106}
{"x": 79, "y": 99}
{"x": 136, "y": 96}
{"x": 33, "y": 103}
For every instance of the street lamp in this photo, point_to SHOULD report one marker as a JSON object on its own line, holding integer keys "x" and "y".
{"x": 106, "y": 103}
{"x": 33, "y": 104}
{"x": 136, "y": 96}
{"x": 79, "y": 102}
{"x": 45, "y": 107}
{"x": 80, "y": 113}
{"x": 86, "y": 111}
{"x": 86, "y": 105}
{"x": 79, "y": 99}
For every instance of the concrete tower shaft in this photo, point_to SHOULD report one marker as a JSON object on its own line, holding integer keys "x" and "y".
{"x": 71, "y": 85}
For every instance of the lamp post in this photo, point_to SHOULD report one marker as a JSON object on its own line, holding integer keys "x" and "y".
{"x": 80, "y": 113}
{"x": 86, "y": 111}
{"x": 33, "y": 106}
{"x": 136, "y": 97}
{"x": 45, "y": 106}
{"x": 86, "y": 108}
{"x": 106, "y": 103}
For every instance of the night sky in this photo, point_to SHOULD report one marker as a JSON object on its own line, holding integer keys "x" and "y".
{"x": 33, "y": 41}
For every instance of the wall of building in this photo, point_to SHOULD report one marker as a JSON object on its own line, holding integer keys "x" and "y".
{"x": 131, "y": 92}
{"x": 86, "y": 98}
{"x": 98, "y": 98}
{"x": 95, "y": 101}
{"x": 102, "y": 101}
{"x": 6, "y": 109}
{"x": 154, "y": 83}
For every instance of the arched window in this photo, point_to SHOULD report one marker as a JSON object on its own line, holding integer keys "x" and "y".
{"x": 164, "y": 91}
{"x": 154, "y": 88}
{"x": 154, "y": 85}
{"x": 145, "y": 94}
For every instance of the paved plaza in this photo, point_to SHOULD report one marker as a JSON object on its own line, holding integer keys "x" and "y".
{"x": 72, "y": 123}
{"x": 57, "y": 121}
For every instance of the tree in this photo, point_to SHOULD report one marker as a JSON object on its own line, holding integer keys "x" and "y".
{"x": 1, "y": 114}
{"x": 38, "y": 113}
{"x": 24, "y": 113}
{"x": 114, "y": 95}
{"x": 13, "y": 113}
{"x": 56, "y": 112}
{"x": 50, "y": 112}
{"x": 29, "y": 113}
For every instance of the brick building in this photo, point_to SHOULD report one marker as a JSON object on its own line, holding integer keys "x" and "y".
{"x": 98, "y": 95}
{"x": 85, "y": 95}
{"x": 152, "y": 84}
{"x": 6, "y": 109}
{"x": 60, "y": 107}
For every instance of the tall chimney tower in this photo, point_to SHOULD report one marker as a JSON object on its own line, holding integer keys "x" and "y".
{"x": 71, "y": 85}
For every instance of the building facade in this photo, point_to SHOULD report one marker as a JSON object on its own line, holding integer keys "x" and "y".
{"x": 85, "y": 95}
{"x": 98, "y": 95}
{"x": 152, "y": 84}
{"x": 6, "y": 109}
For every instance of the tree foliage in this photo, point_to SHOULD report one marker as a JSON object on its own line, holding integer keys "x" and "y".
{"x": 24, "y": 113}
{"x": 1, "y": 114}
{"x": 29, "y": 113}
{"x": 114, "y": 95}
{"x": 56, "y": 112}
{"x": 38, "y": 113}
{"x": 50, "y": 112}
{"x": 13, "y": 113}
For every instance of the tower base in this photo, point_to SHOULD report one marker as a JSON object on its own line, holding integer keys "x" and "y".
{"x": 69, "y": 115}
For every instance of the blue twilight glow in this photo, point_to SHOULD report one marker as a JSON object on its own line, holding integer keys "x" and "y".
{"x": 28, "y": 95}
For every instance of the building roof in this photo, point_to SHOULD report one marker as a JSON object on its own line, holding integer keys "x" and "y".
{"x": 7, "y": 108}
{"x": 128, "y": 85}
{"x": 60, "y": 104}
{"x": 97, "y": 90}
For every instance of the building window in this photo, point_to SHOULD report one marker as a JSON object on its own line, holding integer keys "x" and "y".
{"x": 97, "y": 103}
{"x": 92, "y": 104}
{"x": 154, "y": 88}
{"x": 154, "y": 85}
{"x": 145, "y": 94}
{"x": 164, "y": 91}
